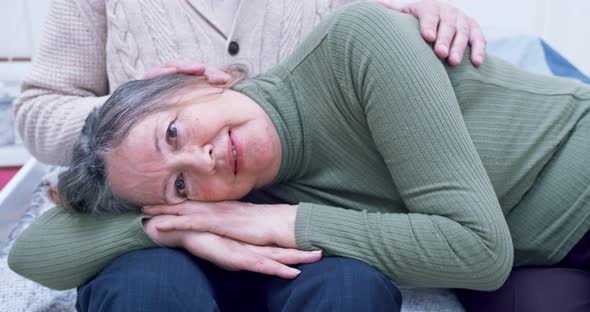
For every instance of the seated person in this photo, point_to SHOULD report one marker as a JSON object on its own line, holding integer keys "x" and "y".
{"x": 363, "y": 145}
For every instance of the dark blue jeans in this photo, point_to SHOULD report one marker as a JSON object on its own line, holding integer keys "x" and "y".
{"x": 164, "y": 279}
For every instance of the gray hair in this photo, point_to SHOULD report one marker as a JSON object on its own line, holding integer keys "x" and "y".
{"x": 85, "y": 186}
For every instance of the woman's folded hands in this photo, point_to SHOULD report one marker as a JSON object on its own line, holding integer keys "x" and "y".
{"x": 233, "y": 235}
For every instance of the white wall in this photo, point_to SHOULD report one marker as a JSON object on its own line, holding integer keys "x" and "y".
{"x": 562, "y": 23}
{"x": 20, "y": 26}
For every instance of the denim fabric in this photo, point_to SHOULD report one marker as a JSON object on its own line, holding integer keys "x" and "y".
{"x": 165, "y": 279}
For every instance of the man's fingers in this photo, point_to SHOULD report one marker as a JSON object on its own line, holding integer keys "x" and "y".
{"x": 160, "y": 72}
{"x": 216, "y": 76}
{"x": 446, "y": 32}
{"x": 459, "y": 42}
{"x": 428, "y": 26}
{"x": 429, "y": 18}
{"x": 186, "y": 65}
{"x": 478, "y": 44}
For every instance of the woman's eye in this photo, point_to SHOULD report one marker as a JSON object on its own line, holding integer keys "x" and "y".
{"x": 180, "y": 186}
{"x": 171, "y": 132}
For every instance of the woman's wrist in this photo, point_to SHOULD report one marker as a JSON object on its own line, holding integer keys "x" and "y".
{"x": 284, "y": 234}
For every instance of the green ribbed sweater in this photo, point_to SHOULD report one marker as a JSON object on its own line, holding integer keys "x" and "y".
{"x": 393, "y": 158}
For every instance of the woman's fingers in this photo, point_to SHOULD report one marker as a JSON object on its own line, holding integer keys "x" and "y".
{"x": 256, "y": 263}
{"x": 286, "y": 255}
{"x": 234, "y": 256}
{"x": 234, "y": 226}
{"x": 181, "y": 223}
{"x": 178, "y": 209}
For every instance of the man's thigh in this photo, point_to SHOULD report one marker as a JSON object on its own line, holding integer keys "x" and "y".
{"x": 331, "y": 284}
{"x": 159, "y": 279}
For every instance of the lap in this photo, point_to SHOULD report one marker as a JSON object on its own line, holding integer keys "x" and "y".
{"x": 173, "y": 279}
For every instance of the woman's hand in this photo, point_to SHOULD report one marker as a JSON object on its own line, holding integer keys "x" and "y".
{"x": 231, "y": 254}
{"x": 213, "y": 74}
{"x": 255, "y": 224}
{"x": 447, "y": 26}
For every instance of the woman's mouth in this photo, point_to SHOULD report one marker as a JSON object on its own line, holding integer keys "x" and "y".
{"x": 234, "y": 153}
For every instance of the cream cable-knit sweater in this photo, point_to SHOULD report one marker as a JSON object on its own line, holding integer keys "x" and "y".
{"x": 89, "y": 47}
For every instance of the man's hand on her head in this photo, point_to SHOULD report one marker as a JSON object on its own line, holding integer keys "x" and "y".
{"x": 447, "y": 27}
{"x": 213, "y": 74}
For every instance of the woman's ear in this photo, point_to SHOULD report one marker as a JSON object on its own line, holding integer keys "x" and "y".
{"x": 53, "y": 195}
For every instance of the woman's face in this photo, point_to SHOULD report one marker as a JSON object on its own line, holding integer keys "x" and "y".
{"x": 214, "y": 147}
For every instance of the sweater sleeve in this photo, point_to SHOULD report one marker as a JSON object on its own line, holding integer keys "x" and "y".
{"x": 68, "y": 79}
{"x": 455, "y": 234}
{"x": 62, "y": 250}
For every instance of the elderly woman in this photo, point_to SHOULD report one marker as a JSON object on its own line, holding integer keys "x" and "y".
{"x": 362, "y": 145}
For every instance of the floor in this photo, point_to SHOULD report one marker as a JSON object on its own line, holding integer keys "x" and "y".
{"x": 7, "y": 218}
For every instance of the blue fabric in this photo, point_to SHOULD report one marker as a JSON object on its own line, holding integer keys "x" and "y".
{"x": 525, "y": 52}
{"x": 535, "y": 55}
{"x": 164, "y": 279}
{"x": 560, "y": 66}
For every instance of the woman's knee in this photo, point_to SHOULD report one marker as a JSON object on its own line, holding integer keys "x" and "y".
{"x": 155, "y": 279}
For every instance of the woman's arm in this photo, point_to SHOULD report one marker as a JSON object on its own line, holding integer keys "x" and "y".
{"x": 455, "y": 234}
{"x": 68, "y": 79}
{"x": 63, "y": 250}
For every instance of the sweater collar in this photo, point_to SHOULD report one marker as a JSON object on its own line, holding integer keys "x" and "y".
{"x": 285, "y": 116}
{"x": 246, "y": 17}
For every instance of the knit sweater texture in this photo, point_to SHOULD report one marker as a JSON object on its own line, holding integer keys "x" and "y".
{"x": 421, "y": 170}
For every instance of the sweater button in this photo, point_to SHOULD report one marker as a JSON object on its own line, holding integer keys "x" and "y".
{"x": 233, "y": 48}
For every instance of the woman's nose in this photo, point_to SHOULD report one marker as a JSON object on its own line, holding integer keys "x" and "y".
{"x": 200, "y": 158}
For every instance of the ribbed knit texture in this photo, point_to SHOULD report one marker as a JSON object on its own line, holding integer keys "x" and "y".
{"x": 427, "y": 177}
{"x": 74, "y": 258}
{"x": 418, "y": 169}
{"x": 90, "y": 47}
